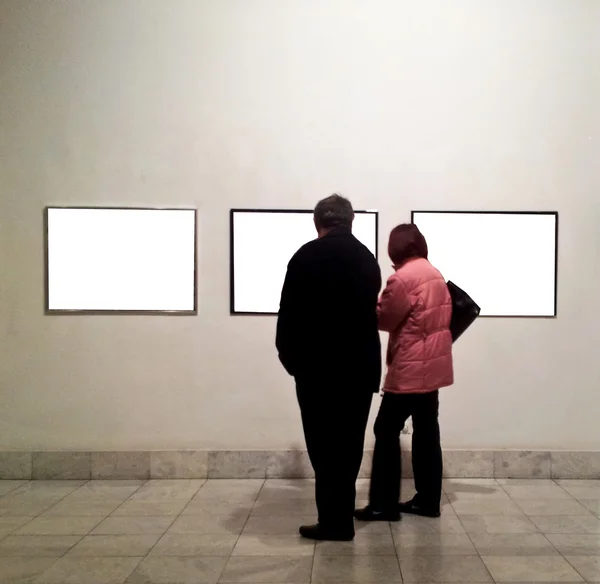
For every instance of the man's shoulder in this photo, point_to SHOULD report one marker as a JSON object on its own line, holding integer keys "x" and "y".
{"x": 334, "y": 247}
{"x": 306, "y": 250}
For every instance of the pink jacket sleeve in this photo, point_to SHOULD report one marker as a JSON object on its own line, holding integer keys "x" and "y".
{"x": 394, "y": 305}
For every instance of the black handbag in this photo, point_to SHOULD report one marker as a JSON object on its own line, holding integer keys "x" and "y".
{"x": 464, "y": 311}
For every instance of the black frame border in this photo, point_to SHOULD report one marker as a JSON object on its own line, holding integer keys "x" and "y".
{"x": 232, "y": 213}
{"x": 96, "y": 312}
{"x": 556, "y": 254}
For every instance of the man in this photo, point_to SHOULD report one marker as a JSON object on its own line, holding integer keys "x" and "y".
{"x": 328, "y": 340}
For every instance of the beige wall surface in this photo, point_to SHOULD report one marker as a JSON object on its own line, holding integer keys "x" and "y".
{"x": 463, "y": 105}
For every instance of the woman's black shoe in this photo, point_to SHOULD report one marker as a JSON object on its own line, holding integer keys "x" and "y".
{"x": 413, "y": 508}
{"x": 369, "y": 514}
{"x": 320, "y": 533}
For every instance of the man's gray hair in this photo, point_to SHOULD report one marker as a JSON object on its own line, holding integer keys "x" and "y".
{"x": 334, "y": 211}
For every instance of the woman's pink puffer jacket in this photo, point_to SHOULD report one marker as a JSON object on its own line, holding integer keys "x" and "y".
{"x": 415, "y": 308}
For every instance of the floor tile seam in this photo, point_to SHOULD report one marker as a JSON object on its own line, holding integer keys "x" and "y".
{"x": 196, "y": 491}
{"x": 478, "y": 554}
{"x": 574, "y": 568}
{"x": 125, "y": 500}
{"x": 175, "y": 518}
{"x": 230, "y": 556}
{"x": 47, "y": 535}
{"x": 550, "y": 501}
{"x": 573, "y": 497}
{"x": 53, "y": 504}
{"x": 396, "y": 546}
{"x": 15, "y": 487}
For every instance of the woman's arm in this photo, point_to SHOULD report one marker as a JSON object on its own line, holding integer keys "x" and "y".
{"x": 394, "y": 305}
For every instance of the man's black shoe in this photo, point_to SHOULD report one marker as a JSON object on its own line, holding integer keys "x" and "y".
{"x": 413, "y": 508}
{"x": 320, "y": 533}
{"x": 370, "y": 514}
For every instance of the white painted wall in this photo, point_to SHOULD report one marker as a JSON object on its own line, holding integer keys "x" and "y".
{"x": 469, "y": 104}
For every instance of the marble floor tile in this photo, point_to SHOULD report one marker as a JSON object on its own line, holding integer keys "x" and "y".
{"x": 530, "y": 569}
{"x": 364, "y": 544}
{"x": 552, "y": 507}
{"x": 587, "y": 566}
{"x": 193, "y": 544}
{"x": 70, "y": 570}
{"x": 134, "y": 525}
{"x": 526, "y": 482}
{"x": 268, "y": 569}
{"x": 497, "y": 524}
{"x": 195, "y": 483}
{"x": 444, "y": 569}
{"x": 486, "y": 507}
{"x": 540, "y": 492}
{"x": 269, "y": 525}
{"x": 208, "y": 524}
{"x": 175, "y": 570}
{"x": 60, "y": 526}
{"x": 422, "y": 525}
{"x": 9, "y": 486}
{"x": 592, "y": 505}
{"x": 281, "y": 508}
{"x": 98, "y": 532}
{"x": 77, "y": 508}
{"x": 465, "y": 491}
{"x": 439, "y": 544}
{"x": 9, "y": 525}
{"x": 137, "y": 508}
{"x": 477, "y": 485}
{"x": 23, "y": 570}
{"x": 554, "y": 524}
{"x": 370, "y": 527}
{"x": 113, "y": 490}
{"x": 583, "y": 489}
{"x": 41, "y": 546}
{"x": 219, "y": 507}
{"x": 154, "y": 492}
{"x": 115, "y": 545}
{"x": 576, "y": 544}
{"x": 513, "y": 544}
{"x": 273, "y": 545}
{"x": 356, "y": 570}
{"x": 21, "y": 509}
{"x": 49, "y": 488}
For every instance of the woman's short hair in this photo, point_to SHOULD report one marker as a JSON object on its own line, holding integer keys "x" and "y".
{"x": 406, "y": 242}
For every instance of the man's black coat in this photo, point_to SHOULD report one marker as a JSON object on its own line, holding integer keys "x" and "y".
{"x": 327, "y": 327}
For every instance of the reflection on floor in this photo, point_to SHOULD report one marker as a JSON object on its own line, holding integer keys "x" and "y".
{"x": 172, "y": 532}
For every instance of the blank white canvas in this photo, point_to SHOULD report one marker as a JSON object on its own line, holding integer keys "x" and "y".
{"x": 505, "y": 262}
{"x": 264, "y": 243}
{"x": 121, "y": 259}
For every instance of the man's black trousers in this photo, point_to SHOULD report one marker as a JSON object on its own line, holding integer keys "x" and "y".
{"x": 334, "y": 417}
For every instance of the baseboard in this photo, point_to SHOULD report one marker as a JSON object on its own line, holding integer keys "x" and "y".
{"x": 260, "y": 464}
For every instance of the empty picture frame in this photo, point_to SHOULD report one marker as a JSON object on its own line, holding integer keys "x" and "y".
{"x": 262, "y": 243}
{"x": 120, "y": 260}
{"x": 506, "y": 261}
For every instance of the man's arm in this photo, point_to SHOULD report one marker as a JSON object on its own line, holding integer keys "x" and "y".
{"x": 288, "y": 330}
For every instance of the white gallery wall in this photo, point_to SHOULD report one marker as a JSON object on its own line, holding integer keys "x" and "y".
{"x": 219, "y": 104}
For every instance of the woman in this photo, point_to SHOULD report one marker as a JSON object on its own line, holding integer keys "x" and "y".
{"x": 415, "y": 308}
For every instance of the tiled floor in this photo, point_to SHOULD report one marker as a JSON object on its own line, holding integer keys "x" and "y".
{"x": 194, "y": 532}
